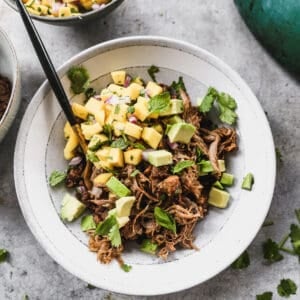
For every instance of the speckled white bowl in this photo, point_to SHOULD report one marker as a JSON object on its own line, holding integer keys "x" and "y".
{"x": 99, "y": 13}
{"x": 9, "y": 67}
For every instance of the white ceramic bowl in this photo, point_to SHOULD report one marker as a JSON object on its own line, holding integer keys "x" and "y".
{"x": 9, "y": 68}
{"x": 99, "y": 13}
{"x": 221, "y": 237}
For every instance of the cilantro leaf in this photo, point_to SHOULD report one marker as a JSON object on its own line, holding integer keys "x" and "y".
{"x": 135, "y": 172}
{"x": 57, "y": 177}
{"x": 182, "y": 165}
{"x": 295, "y": 238}
{"x": 208, "y": 100}
{"x": 91, "y": 156}
{"x": 107, "y": 130}
{"x": 271, "y": 251}
{"x": 297, "y": 212}
{"x": 179, "y": 85}
{"x": 126, "y": 268}
{"x": 278, "y": 155}
{"x": 87, "y": 223}
{"x": 115, "y": 236}
{"x": 265, "y": 296}
{"x": 152, "y": 71}
{"x": 164, "y": 219}
{"x": 79, "y": 78}
{"x": 159, "y": 103}
{"x": 241, "y": 262}
{"x": 3, "y": 255}
{"x": 286, "y": 288}
{"x": 119, "y": 143}
{"x": 131, "y": 109}
{"x": 138, "y": 146}
{"x": 149, "y": 247}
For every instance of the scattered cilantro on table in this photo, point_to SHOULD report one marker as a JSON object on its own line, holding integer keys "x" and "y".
{"x": 241, "y": 262}
{"x": 265, "y": 296}
{"x": 271, "y": 251}
{"x": 3, "y": 255}
{"x": 286, "y": 288}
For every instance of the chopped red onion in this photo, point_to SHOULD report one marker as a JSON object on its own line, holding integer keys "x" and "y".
{"x": 114, "y": 100}
{"x": 80, "y": 189}
{"x": 75, "y": 161}
{"x": 132, "y": 119}
{"x": 98, "y": 97}
{"x": 128, "y": 80}
{"x": 173, "y": 146}
{"x": 96, "y": 191}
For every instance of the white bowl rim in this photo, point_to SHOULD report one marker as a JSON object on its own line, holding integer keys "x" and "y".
{"x": 148, "y": 40}
{"x": 16, "y": 83}
{"x": 66, "y": 19}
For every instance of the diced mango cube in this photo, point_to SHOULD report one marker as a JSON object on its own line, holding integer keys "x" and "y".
{"x": 101, "y": 179}
{"x": 87, "y": 4}
{"x": 88, "y": 130}
{"x": 158, "y": 128}
{"x": 118, "y": 127}
{"x": 103, "y": 153}
{"x": 116, "y": 89}
{"x": 72, "y": 142}
{"x": 64, "y": 12}
{"x": 119, "y": 112}
{"x": 133, "y": 90}
{"x": 118, "y": 77}
{"x": 151, "y": 137}
{"x": 116, "y": 157}
{"x": 80, "y": 111}
{"x": 104, "y": 164}
{"x": 133, "y": 130}
{"x": 153, "y": 89}
{"x": 133, "y": 157}
{"x": 93, "y": 106}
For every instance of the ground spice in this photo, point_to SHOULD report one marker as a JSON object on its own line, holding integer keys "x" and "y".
{"x": 5, "y": 91}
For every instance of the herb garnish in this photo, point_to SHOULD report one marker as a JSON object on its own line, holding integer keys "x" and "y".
{"x": 226, "y": 105}
{"x": 57, "y": 177}
{"x": 107, "y": 130}
{"x": 271, "y": 251}
{"x": 149, "y": 247}
{"x": 295, "y": 238}
{"x": 182, "y": 165}
{"x": 91, "y": 156}
{"x": 241, "y": 262}
{"x": 3, "y": 255}
{"x": 278, "y": 155}
{"x": 152, "y": 71}
{"x": 164, "y": 219}
{"x": 265, "y": 296}
{"x": 179, "y": 85}
{"x": 286, "y": 288}
{"x": 126, "y": 268}
{"x": 87, "y": 223}
{"x": 159, "y": 103}
{"x": 89, "y": 93}
{"x": 110, "y": 228}
{"x": 79, "y": 78}
{"x": 120, "y": 143}
{"x": 130, "y": 109}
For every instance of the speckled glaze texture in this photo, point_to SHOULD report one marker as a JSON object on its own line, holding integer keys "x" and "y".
{"x": 217, "y": 27}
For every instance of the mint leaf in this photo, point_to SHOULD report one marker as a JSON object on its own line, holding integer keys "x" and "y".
{"x": 295, "y": 238}
{"x": 126, "y": 268}
{"x": 208, "y": 100}
{"x": 119, "y": 143}
{"x": 159, "y": 103}
{"x": 286, "y": 288}
{"x": 114, "y": 236}
{"x": 87, "y": 223}
{"x": 79, "y": 78}
{"x": 271, "y": 251}
{"x": 265, "y": 296}
{"x": 164, "y": 219}
{"x": 182, "y": 165}
{"x": 242, "y": 262}
{"x": 149, "y": 247}
{"x": 91, "y": 156}
{"x": 3, "y": 255}
{"x": 57, "y": 177}
{"x": 152, "y": 71}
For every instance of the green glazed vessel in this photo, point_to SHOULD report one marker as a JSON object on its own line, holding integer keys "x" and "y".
{"x": 276, "y": 24}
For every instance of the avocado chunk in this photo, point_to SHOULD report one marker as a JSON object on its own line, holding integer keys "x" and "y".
{"x": 96, "y": 141}
{"x": 160, "y": 158}
{"x": 117, "y": 187}
{"x": 181, "y": 132}
{"x": 175, "y": 108}
{"x": 218, "y": 198}
{"x": 248, "y": 182}
{"x": 206, "y": 167}
{"x": 174, "y": 120}
{"x": 124, "y": 205}
{"x": 122, "y": 221}
{"x": 218, "y": 185}
{"x": 227, "y": 179}
{"x": 71, "y": 208}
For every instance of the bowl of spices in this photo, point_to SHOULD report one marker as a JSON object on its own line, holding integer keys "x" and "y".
{"x": 10, "y": 88}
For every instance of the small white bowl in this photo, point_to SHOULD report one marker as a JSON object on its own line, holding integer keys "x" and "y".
{"x": 9, "y": 67}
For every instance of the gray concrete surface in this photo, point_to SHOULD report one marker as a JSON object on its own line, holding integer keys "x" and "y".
{"x": 214, "y": 25}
